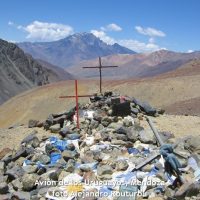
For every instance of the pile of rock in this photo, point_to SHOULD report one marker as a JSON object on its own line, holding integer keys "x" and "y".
{"x": 109, "y": 146}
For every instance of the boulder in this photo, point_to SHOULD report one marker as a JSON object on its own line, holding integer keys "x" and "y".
{"x": 122, "y": 165}
{"x": 17, "y": 185}
{"x": 147, "y": 137}
{"x": 87, "y": 157}
{"x": 121, "y": 130}
{"x": 70, "y": 166}
{"x": 121, "y": 109}
{"x": 21, "y": 195}
{"x": 69, "y": 155}
{"x": 104, "y": 170}
{"x": 15, "y": 172}
{"x": 28, "y": 181}
{"x": 42, "y": 158}
{"x": 188, "y": 189}
{"x": 118, "y": 142}
{"x": 59, "y": 120}
{"x": 193, "y": 144}
{"x": 5, "y": 196}
{"x": 146, "y": 107}
{"x": 55, "y": 128}
{"x": 64, "y": 131}
{"x": 3, "y": 188}
{"x": 29, "y": 169}
{"x": 134, "y": 110}
{"x": 31, "y": 139}
{"x": 21, "y": 152}
{"x": 62, "y": 175}
{"x": 73, "y": 136}
{"x": 132, "y": 134}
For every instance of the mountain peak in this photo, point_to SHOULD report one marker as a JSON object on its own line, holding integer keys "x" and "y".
{"x": 73, "y": 49}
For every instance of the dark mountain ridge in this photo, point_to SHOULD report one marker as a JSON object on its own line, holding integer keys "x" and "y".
{"x": 20, "y": 72}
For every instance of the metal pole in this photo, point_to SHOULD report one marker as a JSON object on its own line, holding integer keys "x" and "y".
{"x": 155, "y": 131}
{"x": 100, "y": 75}
{"x": 77, "y": 111}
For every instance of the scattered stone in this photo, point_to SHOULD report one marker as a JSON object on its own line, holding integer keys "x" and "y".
{"x": 146, "y": 137}
{"x": 31, "y": 139}
{"x": 3, "y": 188}
{"x": 64, "y": 131}
{"x": 17, "y": 185}
{"x": 15, "y": 172}
{"x": 69, "y": 155}
{"x": 146, "y": 107}
{"x": 5, "y": 196}
{"x": 62, "y": 175}
{"x": 42, "y": 158}
{"x": 135, "y": 111}
{"x": 21, "y": 195}
{"x": 110, "y": 141}
{"x": 193, "y": 144}
{"x": 32, "y": 123}
{"x": 122, "y": 165}
{"x": 73, "y": 136}
{"x": 29, "y": 169}
{"x": 132, "y": 134}
{"x": 55, "y": 128}
{"x": 28, "y": 181}
{"x": 70, "y": 166}
{"x": 104, "y": 170}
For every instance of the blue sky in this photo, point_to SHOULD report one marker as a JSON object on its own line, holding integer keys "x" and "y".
{"x": 142, "y": 25}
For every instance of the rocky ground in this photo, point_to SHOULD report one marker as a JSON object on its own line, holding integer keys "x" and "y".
{"x": 113, "y": 152}
{"x": 179, "y": 125}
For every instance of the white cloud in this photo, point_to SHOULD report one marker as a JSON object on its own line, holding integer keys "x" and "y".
{"x": 138, "y": 46}
{"x": 152, "y": 32}
{"x": 151, "y": 40}
{"x": 103, "y": 36}
{"x": 10, "y": 23}
{"x": 43, "y": 31}
{"x": 190, "y": 51}
{"x": 113, "y": 27}
{"x": 134, "y": 45}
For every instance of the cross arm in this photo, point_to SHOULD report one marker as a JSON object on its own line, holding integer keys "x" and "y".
{"x": 75, "y": 96}
{"x": 100, "y": 67}
{"x": 91, "y": 67}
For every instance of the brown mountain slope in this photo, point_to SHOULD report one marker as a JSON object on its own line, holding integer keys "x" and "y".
{"x": 136, "y": 65}
{"x": 20, "y": 72}
{"x": 177, "y": 92}
{"x": 61, "y": 73}
{"x": 189, "y": 69}
{"x": 40, "y": 102}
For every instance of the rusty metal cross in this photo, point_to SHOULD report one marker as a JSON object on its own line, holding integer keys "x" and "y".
{"x": 100, "y": 67}
{"x": 76, "y": 96}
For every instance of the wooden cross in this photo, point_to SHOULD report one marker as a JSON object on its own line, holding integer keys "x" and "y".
{"x": 100, "y": 74}
{"x": 76, "y": 96}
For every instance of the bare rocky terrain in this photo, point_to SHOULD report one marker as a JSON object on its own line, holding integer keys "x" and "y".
{"x": 135, "y": 65}
{"x": 177, "y": 92}
{"x": 180, "y": 126}
{"x": 20, "y": 72}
